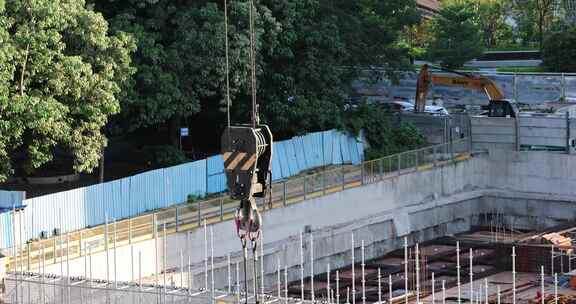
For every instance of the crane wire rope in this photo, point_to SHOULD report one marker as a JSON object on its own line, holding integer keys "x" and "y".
{"x": 227, "y": 63}
{"x": 254, "y": 121}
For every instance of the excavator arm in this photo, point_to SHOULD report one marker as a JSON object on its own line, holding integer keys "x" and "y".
{"x": 499, "y": 106}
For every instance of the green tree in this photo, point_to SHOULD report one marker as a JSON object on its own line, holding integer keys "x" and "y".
{"x": 308, "y": 51}
{"x": 456, "y": 32}
{"x": 560, "y": 50}
{"x": 385, "y": 137}
{"x": 492, "y": 16}
{"x": 61, "y": 74}
{"x": 323, "y": 46}
{"x": 181, "y": 57}
{"x": 534, "y": 18}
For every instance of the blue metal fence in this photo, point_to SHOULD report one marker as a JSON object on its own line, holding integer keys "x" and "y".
{"x": 90, "y": 206}
{"x": 6, "y": 226}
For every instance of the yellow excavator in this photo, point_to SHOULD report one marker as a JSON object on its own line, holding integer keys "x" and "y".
{"x": 499, "y": 106}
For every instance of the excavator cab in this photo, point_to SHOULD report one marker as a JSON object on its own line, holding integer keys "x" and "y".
{"x": 502, "y": 108}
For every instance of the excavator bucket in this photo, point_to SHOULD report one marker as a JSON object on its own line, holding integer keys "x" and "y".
{"x": 247, "y": 155}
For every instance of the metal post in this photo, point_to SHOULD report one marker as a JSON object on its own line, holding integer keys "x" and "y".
{"x": 363, "y": 276}
{"x": 237, "y": 282}
{"x": 443, "y": 291}
{"x": 568, "y": 133}
{"x": 542, "y": 285}
{"x": 286, "y": 284}
{"x": 284, "y": 193}
{"x": 399, "y": 163}
{"x": 498, "y": 295}
{"x": 199, "y": 206}
{"x": 486, "y": 290}
{"x": 278, "y": 280}
{"x": 67, "y": 266}
{"x": 181, "y": 269}
{"x": 328, "y": 281}
{"x": 515, "y": 87}
{"x": 552, "y": 261}
{"x": 380, "y": 286}
{"x": 435, "y": 158}
{"x": 312, "y": 266}
{"x": 221, "y": 208}
{"x": 362, "y": 174}
{"x": 155, "y": 232}
{"x": 301, "y": 267}
{"x": 390, "y": 291}
{"x": 433, "y": 289}
{"x": 513, "y": 275}
{"x": 106, "y": 248}
{"x": 212, "y": 289}
{"x": 262, "y": 263}
{"x": 458, "y": 271}
{"x": 353, "y": 273}
{"x": 177, "y": 219}
{"x": 305, "y": 182}
{"x": 555, "y": 288}
{"x": 115, "y": 256}
{"x": 417, "y": 252}
{"x": 563, "y": 85}
{"x": 229, "y": 276}
{"x": 343, "y": 177}
{"x": 337, "y": 286}
{"x": 205, "y": 256}
{"x": 405, "y": 270}
{"x": 165, "y": 253}
{"x": 471, "y": 256}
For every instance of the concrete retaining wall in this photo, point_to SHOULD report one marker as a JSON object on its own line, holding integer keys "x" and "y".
{"x": 421, "y": 205}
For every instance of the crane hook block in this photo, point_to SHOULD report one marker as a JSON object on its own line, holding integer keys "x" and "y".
{"x": 247, "y": 156}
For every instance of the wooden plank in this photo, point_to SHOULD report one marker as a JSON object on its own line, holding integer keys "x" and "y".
{"x": 505, "y": 139}
{"x": 543, "y": 122}
{"x": 543, "y": 132}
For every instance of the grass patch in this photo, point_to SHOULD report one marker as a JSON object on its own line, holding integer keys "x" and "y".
{"x": 521, "y": 70}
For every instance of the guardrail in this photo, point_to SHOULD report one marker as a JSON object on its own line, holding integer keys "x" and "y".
{"x": 192, "y": 215}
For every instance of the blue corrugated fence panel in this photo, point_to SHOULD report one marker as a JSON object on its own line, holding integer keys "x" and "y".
{"x": 97, "y": 206}
{"x": 336, "y": 152}
{"x": 327, "y": 139}
{"x": 313, "y": 149}
{"x": 345, "y": 149}
{"x": 298, "y": 143}
{"x": 284, "y": 161}
{"x": 291, "y": 157}
{"x": 9, "y": 199}
{"x": 353, "y": 147}
{"x": 276, "y": 166}
{"x": 6, "y": 230}
{"x": 198, "y": 175}
{"x": 216, "y": 175}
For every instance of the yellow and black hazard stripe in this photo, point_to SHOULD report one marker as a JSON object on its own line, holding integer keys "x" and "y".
{"x": 239, "y": 159}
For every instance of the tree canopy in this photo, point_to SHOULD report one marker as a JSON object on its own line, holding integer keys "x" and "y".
{"x": 456, "y": 33}
{"x": 61, "y": 75}
{"x": 307, "y": 53}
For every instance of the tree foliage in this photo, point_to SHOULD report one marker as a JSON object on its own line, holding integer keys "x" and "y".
{"x": 60, "y": 79}
{"x": 457, "y": 36}
{"x": 384, "y": 137}
{"x": 307, "y": 53}
{"x": 492, "y": 16}
{"x": 560, "y": 50}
